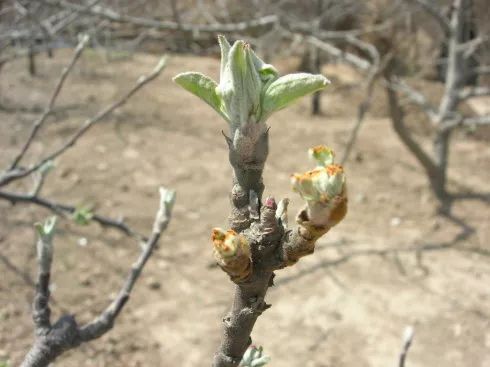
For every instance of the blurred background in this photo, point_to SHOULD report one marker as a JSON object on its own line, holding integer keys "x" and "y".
{"x": 407, "y": 113}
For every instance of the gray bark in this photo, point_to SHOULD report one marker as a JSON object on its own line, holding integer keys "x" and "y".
{"x": 272, "y": 245}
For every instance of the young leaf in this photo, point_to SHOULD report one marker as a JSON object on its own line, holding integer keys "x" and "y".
{"x": 266, "y": 71}
{"x": 82, "y": 216}
{"x": 225, "y": 50}
{"x": 287, "y": 89}
{"x": 203, "y": 87}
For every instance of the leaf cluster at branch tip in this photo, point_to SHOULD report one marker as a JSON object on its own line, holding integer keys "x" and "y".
{"x": 249, "y": 89}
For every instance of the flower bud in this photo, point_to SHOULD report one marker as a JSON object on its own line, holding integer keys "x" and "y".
{"x": 322, "y": 155}
{"x": 232, "y": 252}
{"x": 323, "y": 188}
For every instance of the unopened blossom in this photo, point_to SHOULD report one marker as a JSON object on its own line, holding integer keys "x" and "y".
{"x": 232, "y": 252}
{"x": 323, "y": 188}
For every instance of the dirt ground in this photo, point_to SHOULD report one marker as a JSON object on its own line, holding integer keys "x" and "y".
{"x": 391, "y": 263}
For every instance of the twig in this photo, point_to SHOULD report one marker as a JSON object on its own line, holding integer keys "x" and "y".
{"x": 167, "y": 25}
{"x": 338, "y": 53}
{"x": 473, "y": 92}
{"x": 53, "y": 340}
{"x": 481, "y": 70}
{"x": 63, "y": 209}
{"x": 12, "y": 175}
{"x": 407, "y": 342}
{"x": 105, "y": 320}
{"x": 398, "y": 122}
{"x": 465, "y": 121}
{"x": 414, "y": 96}
{"x": 435, "y": 13}
{"x": 361, "y": 112}
{"x": 49, "y": 108}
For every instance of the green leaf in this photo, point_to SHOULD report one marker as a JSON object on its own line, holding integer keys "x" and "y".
{"x": 259, "y": 362}
{"x": 167, "y": 198}
{"x": 266, "y": 71}
{"x": 46, "y": 229}
{"x": 225, "y": 50}
{"x": 82, "y": 216}
{"x": 203, "y": 87}
{"x": 289, "y": 88}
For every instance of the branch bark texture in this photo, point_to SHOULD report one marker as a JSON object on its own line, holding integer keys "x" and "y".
{"x": 272, "y": 245}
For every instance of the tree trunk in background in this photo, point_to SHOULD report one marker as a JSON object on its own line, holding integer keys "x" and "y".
{"x": 32, "y": 61}
{"x": 315, "y": 66}
{"x": 438, "y": 177}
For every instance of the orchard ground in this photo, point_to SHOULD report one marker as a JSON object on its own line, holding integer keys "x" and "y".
{"x": 392, "y": 262}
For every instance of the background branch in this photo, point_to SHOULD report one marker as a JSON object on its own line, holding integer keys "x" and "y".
{"x": 13, "y": 175}
{"x": 53, "y": 340}
{"x": 49, "y": 108}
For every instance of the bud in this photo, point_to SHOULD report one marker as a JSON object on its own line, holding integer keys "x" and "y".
{"x": 323, "y": 188}
{"x": 322, "y": 155}
{"x": 249, "y": 90}
{"x": 254, "y": 357}
{"x": 232, "y": 252}
{"x": 44, "y": 246}
{"x": 241, "y": 85}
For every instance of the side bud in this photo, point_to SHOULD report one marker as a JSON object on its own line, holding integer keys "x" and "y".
{"x": 324, "y": 190}
{"x": 322, "y": 155}
{"x": 232, "y": 253}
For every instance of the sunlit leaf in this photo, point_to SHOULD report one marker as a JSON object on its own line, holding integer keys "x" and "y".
{"x": 203, "y": 87}
{"x": 289, "y": 88}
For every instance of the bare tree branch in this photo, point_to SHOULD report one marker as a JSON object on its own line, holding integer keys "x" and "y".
{"x": 469, "y": 48}
{"x": 64, "y": 209}
{"x": 397, "y": 118}
{"x": 435, "y": 13}
{"x": 465, "y": 121}
{"x": 53, "y": 340}
{"x": 455, "y": 64}
{"x": 167, "y": 25}
{"x": 481, "y": 70}
{"x": 305, "y": 28}
{"x": 106, "y": 319}
{"x": 415, "y": 96}
{"x": 338, "y": 53}
{"x": 407, "y": 342}
{"x": 49, "y": 108}
{"x": 361, "y": 112}
{"x": 473, "y": 92}
{"x": 13, "y": 175}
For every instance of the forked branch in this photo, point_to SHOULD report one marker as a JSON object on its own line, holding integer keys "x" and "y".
{"x": 15, "y": 172}
{"x": 52, "y": 340}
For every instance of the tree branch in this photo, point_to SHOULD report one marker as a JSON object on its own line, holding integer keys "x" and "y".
{"x": 13, "y": 175}
{"x": 106, "y": 319}
{"x": 167, "y": 25}
{"x": 49, "y": 108}
{"x": 348, "y": 57}
{"x": 53, "y": 340}
{"x": 414, "y": 96}
{"x": 397, "y": 118}
{"x": 435, "y": 13}
{"x": 465, "y": 121}
{"x": 473, "y": 92}
{"x": 456, "y": 65}
{"x": 63, "y": 209}
{"x": 407, "y": 342}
